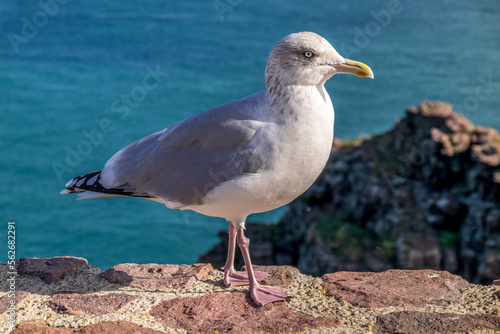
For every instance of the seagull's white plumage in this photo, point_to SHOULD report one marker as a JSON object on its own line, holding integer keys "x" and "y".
{"x": 243, "y": 157}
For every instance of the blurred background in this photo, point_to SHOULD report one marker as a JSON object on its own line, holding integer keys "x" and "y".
{"x": 82, "y": 79}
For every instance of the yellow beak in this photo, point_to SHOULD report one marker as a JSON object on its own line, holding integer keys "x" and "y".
{"x": 354, "y": 67}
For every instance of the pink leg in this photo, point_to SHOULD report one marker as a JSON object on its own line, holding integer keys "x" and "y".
{"x": 231, "y": 276}
{"x": 261, "y": 294}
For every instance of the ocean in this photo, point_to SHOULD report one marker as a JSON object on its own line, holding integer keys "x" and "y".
{"x": 82, "y": 79}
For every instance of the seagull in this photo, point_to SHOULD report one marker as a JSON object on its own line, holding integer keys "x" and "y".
{"x": 248, "y": 156}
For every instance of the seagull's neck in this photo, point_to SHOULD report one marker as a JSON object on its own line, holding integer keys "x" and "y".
{"x": 297, "y": 99}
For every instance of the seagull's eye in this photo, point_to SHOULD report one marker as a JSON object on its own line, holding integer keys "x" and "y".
{"x": 308, "y": 54}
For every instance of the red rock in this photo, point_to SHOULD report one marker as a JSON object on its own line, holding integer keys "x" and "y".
{"x": 414, "y": 322}
{"x": 406, "y": 288}
{"x": 108, "y": 327}
{"x": 487, "y": 154}
{"x": 81, "y": 304}
{"x": 444, "y": 139}
{"x": 51, "y": 270}
{"x": 435, "y": 109}
{"x": 155, "y": 276}
{"x": 457, "y": 123}
{"x": 17, "y": 296}
{"x": 483, "y": 135}
{"x": 114, "y": 327}
{"x": 461, "y": 141}
{"x": 496, "y": 282}
{"x": 233, "y": 313}
{"x": 280, "y": 275}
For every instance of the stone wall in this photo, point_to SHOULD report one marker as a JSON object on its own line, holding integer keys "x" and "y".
{"x": 425, "y": 194}
{"x": 66, "y": 295}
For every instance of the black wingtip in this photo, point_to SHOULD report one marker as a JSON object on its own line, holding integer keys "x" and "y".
{"x": 91, "y": 182}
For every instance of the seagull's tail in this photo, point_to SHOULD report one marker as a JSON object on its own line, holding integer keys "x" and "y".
{"x": 88, "y": 186}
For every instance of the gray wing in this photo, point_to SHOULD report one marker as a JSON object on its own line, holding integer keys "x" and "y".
{"x": 183, "y": 163}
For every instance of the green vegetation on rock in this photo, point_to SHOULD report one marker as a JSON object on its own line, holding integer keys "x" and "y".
{"x": 351, "y": 242}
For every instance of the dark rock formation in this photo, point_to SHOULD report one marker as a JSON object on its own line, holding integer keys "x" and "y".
{"x": 233, "y": 313}
{"x": 425, "y": 194}
{"x": 51, "y": 270}
{"x": 156, "y": 276}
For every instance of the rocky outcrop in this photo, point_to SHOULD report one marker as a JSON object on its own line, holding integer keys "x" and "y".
{"x": 424, "y": 195}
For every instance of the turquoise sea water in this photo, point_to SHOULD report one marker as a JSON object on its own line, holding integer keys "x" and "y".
{"x": 76, "y": 85}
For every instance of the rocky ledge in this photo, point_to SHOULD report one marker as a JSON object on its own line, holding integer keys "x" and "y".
{"x": 423, "y": 195}
{"x": 67, "y": 295}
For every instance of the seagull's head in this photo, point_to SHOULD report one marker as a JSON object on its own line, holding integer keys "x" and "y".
{"x": 307, "y": 59}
